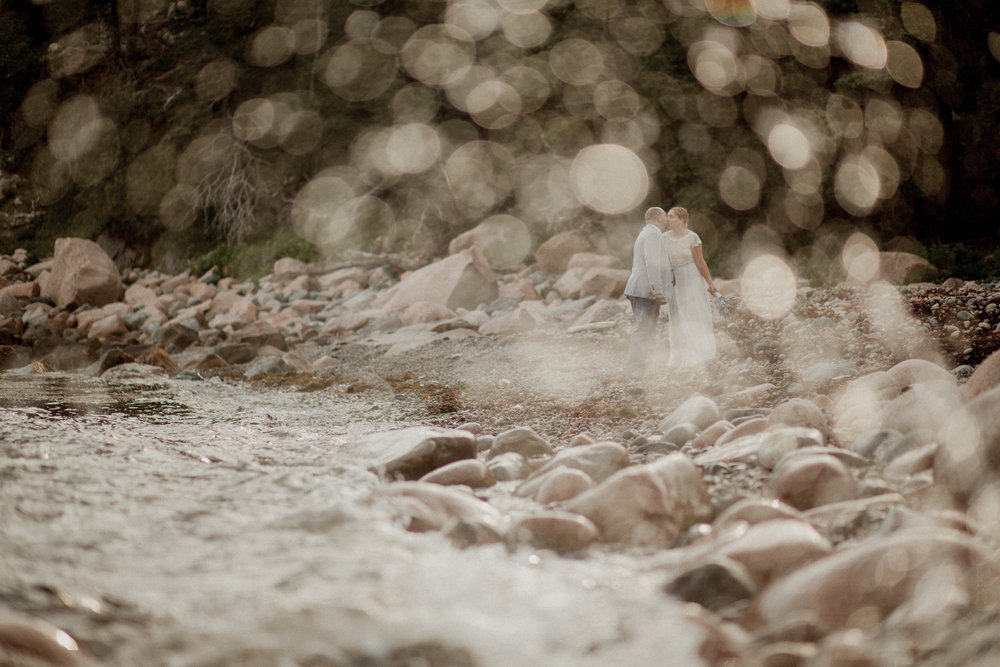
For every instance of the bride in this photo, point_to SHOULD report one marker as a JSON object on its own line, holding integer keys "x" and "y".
{"x": 692, "y": 341}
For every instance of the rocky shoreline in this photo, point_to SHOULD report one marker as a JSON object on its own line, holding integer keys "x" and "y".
{"x": 824, "y": 493}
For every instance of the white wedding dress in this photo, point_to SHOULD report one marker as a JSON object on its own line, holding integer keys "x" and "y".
{"x": 692, "y": 340}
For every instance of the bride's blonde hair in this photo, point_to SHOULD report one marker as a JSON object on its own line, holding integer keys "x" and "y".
{"x": 682, "y": 213}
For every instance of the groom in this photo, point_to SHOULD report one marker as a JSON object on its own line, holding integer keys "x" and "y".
{"x": 649, "y": 287}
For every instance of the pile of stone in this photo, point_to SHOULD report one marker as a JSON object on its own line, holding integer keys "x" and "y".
{"x": 76, "y": 311}
{"x": 873, "y": 530}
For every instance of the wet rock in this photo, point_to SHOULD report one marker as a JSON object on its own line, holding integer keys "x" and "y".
{"x": 509, "y": 467}
{"x": 870, "y": 442}
{"x": 599, "y": 461}
{"x": 651, "y": 504}
{"x": 777, "y": 443}
{"x": 799, "y": 412}
{"x": 712, "y": 434}
{"x": 469, "y": 472}
{"x": 968, "y": 457}
{"x": 713, "y": 584}
{"x": 110, "y": 359}
{"x": 236, "y": 353}
{"x": 82, "y": 273}
{"x": 808, "y": 481}
{"x": 860, "y": 585}
{"x": 521, "y": 440}
{"x": 562, "y": 532}
{"x": 29, "y": 640}
{"x": 681, "y": 434}
{"x": 752, "y": 426}
{"x": 753, "y": 511}
{"x": 133, "y": 371}
{"x": 698, "y": 410}
{"x": 464, "y": 518}
{"x": 108, "y": 328}
{"x": 411, "y": 453}
{"x": 985, "y": 377}
{"x": 562, "y": 484}
{"x": 771, "y": 549}
{"x": 739, "y": 449}
{"x": 157, "y": 356}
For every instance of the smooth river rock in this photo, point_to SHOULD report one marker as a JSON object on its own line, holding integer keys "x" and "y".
{"x": 411, "y": 453}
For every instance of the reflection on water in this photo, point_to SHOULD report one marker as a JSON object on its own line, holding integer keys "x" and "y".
{"x": 66, "y": 395}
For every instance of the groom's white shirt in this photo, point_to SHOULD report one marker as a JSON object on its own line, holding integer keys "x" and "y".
{"x": 651, "y": 272}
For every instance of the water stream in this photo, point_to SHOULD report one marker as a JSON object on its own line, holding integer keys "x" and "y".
{"x": 209, "y": 523}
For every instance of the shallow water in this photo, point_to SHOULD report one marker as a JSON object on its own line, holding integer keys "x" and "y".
{"x": 206, "y": 523}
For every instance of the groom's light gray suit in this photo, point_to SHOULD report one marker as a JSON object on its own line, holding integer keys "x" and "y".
{"x": 651, "y": 276}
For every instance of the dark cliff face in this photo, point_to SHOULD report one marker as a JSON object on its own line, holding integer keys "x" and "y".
{"x": 165, "y": 130}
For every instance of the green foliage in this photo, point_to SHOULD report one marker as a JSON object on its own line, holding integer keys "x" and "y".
{"x": 254, "y": 258}
{"x": 968, "y": 262}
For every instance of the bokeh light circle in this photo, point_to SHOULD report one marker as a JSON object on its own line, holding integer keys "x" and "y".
{"x": 576, "y": 62}
{"x": 609, "y": 178}
{"x": 856, "y": 185}
{"x": 789, "y": 146}
{"x": 413, "y": 148}
{"x": 438, "y": 55}
{"x": 860, "y": 258}
{"x": 768, "y": 287}
{"x": 739, "y": 188}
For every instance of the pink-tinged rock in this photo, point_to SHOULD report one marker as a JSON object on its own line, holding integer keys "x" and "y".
{"x": 568, "y": 284}
{"x": 288, "y": 268}
{"x": 503, "y": 240}
{"x": 554, "y": 254}
{"x": 599, "y": 461}
{"x": 26, "y": 290}
{"x": 520, "y": 289}
{"x": 604, "y": 283}
{"x": 648, "y": 505}
{"x": 843, "y": 515}
{"x": 808, "y": 481}
{"x": 469, "y": 472}
{"x": 711, "y": 435}
{"x": 464, "y": 518}
{"x": 351, "y": 321}
{"x": 463, "y": 280}
{"x": 985, "y": 377}
{"x": 591, "y": 260}
{"x": 699, "y": 410}
{"x": 519, "y": 320}
{"x": 859, "y": 586}
{"x": 422, "y": 312}
{"x": 411, "y": 453}
{"x": 356, "y": 274}
{"x": 561, "y": 484}
{"x": 778, "y": 442}
{"x": 968, "y": 456}
{"x": 736, "y": 450}
{"x": 201, "y": 290}
{"x": 107, "y": 328}
{"x": 139, "y": 295}
{"x": 85, "y": 319}
{"x": 9, "y": 304}
{"x": 753, "y": 511}
{"x": 749, "y": 427}
{"x": 799, "y": 412}
{"x": 915, "y": 371}
{"x": 772, "y": 549}
{"x": 520, "y": 440}
{"x": 926, "y": 405}
{"x": 858, "y": 407}
{"x": 560, "y": 531}
{"x": 83, "y": 274}
{"x": 722, "y": 643}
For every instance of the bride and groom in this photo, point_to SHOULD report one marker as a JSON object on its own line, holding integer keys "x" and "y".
{"x": 668, "y": 268}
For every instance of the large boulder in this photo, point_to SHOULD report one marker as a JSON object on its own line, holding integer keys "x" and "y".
{"x": 463, "y": 280}
{"x": 503, "y": 239}
{"x": 554, "y": 254}
{"x": 82, "y": 274}
{"x": 902, "y": 267}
